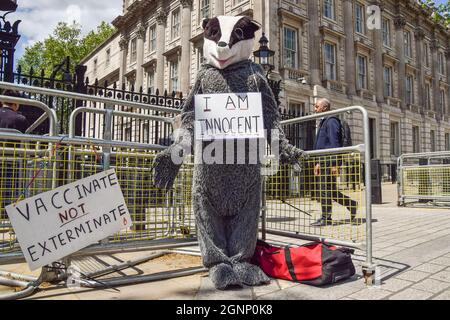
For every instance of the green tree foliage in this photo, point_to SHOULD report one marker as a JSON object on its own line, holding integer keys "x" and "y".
{"x": 66, "y": 40}
{"x": 440, "y": 11}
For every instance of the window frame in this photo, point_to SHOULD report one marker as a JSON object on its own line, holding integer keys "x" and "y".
{"x": 407, "y": 39}
{"x": 388, "y": 84}
{"x": 409, "y": 94}
{"x": 433, "y": 140}
{"x": 133, "y": 50}
{"x": 202, "y": 6}
{"x": 174, "y": 75}
{"x": 175, "y": 24}
{"x": 332, "y": 5}
{"x": 394, "y": 142}
{"x": 327, "y": 63}
{"x": 415, "y": 132}
{"x": 359, "y": 74}
{"x": 361, "y": 22}
{"x": 152, "y": 41}
{"x": 386, "y": 34}
{"x": 293, "y": 52}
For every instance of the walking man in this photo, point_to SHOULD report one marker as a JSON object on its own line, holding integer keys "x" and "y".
{"x": 329, "y": 136}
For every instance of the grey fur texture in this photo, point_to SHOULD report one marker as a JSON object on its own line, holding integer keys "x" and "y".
{"x": 227, "y": 197}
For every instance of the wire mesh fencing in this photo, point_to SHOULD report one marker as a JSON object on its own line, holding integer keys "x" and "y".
{"x": 324, "y": 200}
{"x": 424, "y": 178}
{"x": 30, "y": 168}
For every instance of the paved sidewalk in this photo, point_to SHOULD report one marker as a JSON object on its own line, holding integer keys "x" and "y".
{"x": 411, "y": 249}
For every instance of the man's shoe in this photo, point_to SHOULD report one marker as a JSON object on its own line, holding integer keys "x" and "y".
{"x": 353, "y": 211}
{"x": 321, "y": 223}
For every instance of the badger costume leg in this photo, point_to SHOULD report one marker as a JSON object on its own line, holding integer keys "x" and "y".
{"x": 227, "y": 239}
{"x": 211, "y": 228}
{"x": 242, "y": 235}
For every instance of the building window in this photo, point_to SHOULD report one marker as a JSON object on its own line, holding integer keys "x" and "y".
{"x": 386, "y": 32}
{"x": 408, "y": 44}
{"x": 441, "y": 63}
{"x": 330, "y": 61}
{"x": 200, "y": 57}
{"x": 130, "y": 84}
{"x": 204, "y": 9}
{"x": 388, "y": 82}
{"x": 95, "y": 66}
{"x": 447, "y": 142}
{"x": 409, "y": 89}
{"x": 152, "y": 42}
{"x": 175, "y": 23}
{"x": 373, "y": 137}
{"x": 442, "y": 101}
{"x": 133, "y": 50}
{"x": 432, "y": 140}
{"x": 427, "y": 96}
{"x": 290, "y": 48}
{"x": 328, "y": 9}
{"x": 415, "y": 139}
{"x": 359, "y": 18}
{"x": 127, "y": 132}
{"x": 108, "y": 57}
{"x": 362, "y": 72}
{"x": 426, "y": 54}
{"x": 151, "y": 82}
{"x": 174, "y": 76}
{"x": 395, "y": 143}
{"x": 146, "y": 133}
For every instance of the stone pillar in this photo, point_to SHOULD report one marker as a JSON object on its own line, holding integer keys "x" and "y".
{"x": 378, "y": 62}
{"x": 399, "y": 23}
{"x": 350, "y": 61}
{"x": 314, "y": 43}
{"x": 419, "y": 36}
{"x": 185, "y": 45}
{"x": 140, "y": 56}
{"x": 161, "y": 19}
{"x": 219, "y": 8}
{"x": 123, "y": 44}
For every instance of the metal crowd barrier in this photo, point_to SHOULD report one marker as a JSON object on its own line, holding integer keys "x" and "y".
{"x": 424, "y": 178}
{"x": 31, "y": 164}
{"x": 292, "y": 200}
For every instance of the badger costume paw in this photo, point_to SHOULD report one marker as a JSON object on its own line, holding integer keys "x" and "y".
{"x": 250, "y": 275}
{"x": 223, "y": 276}
{"x": 164, "y": 169}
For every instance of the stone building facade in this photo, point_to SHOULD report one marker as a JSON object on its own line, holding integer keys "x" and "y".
{"x": 387, "y": 56}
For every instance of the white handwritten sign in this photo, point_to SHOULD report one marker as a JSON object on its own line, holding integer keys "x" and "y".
{"x": 54, "y": 224}
{"x": 228, "y": 116}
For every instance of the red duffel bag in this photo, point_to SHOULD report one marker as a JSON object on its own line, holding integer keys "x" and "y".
{"x": 315, "y": 264}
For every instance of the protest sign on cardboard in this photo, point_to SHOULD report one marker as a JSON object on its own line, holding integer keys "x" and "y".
{"x": 57, "y": 223}
{"x": 228, "y": 116}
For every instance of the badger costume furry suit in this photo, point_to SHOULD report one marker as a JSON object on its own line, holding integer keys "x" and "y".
{"x": 226, "y": 197}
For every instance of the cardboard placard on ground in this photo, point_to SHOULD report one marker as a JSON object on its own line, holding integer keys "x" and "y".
{"x": 57, "y": 223}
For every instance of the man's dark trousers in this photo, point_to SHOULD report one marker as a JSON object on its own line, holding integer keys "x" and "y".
{"x": 329, "y": 192}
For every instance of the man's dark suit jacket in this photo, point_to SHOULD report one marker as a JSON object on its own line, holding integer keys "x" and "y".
{"x": 10, "y": 119}
{"x": 329, "y": 134}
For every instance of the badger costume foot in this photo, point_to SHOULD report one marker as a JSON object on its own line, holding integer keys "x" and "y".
{"x": 250, "y": 275}
{"x": 223, "y": 276}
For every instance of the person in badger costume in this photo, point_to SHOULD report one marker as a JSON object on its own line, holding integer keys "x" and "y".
{"x": 227, "y": 197}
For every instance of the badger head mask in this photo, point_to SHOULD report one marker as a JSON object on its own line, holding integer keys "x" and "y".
{"x": 228, "y": 40}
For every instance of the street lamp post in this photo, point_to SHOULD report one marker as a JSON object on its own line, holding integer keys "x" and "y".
{"x": 9, "y": 37}
{"x": 266, "y": 58}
